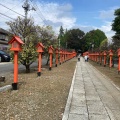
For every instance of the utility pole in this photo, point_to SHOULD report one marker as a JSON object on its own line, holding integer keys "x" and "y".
{"x": 26, "y": 7}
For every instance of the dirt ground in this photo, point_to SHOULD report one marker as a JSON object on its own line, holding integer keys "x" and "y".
{"x": 112, "y": 73}
{"x": 38, "y": 98}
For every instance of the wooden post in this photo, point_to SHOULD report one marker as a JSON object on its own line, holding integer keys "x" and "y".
{"x": 100, "y": 58}
{"x": 51, "y": 53}
{"x": 110, "y": 54}
{"x": 50, "y": 61}
{"x": 40, "y": 51}
{"x": 60, "y": 56}
{"x": 15, "y": 67}
{"x": 105, "y": 54}
{"x": 39, "y": 64}
{"x": 96, "y": 57}
{"x": 118, "y": 60}
{"x": 16, "y": 43}
{"x": 56, "y": 61}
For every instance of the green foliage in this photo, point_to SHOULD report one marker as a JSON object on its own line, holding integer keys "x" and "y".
{"x": 116, "y": 28}
{"x": 48, "y": 37}
{"x": 61, "y": 38}
{"x": 26, "y": 30}
{"x": 116, "y": 22}
{"x": 28, "y": 54}
{"x": 94, "y": 37}
{"x": 61, "y": 31}
{"x": 75, "y": 39}
{"x": 22, "y": 27}
{"x": 104, "y": 45}
{"x": 116, "y": 41}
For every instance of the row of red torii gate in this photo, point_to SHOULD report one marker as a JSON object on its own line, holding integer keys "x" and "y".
{"x": 101, "y": 57}
{"x": 16, "y": 46}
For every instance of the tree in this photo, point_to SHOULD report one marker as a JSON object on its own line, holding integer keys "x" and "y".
{"x": 26, "y": 30}
{"x": 116, "y": 22}
{"x": 61, "y": 37}
{"x": 48, "y": 38}
{"x": 116, "y": 28}
{"x": 94, "y": 38}
{"x": 75, "y": 39}
{"x": 104, "y": 45}
{"x": 63, "y": 40}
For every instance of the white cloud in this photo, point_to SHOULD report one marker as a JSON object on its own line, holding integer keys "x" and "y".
{"x": 46, "y": 13}
{"x": 16, "y": 6}
{"x": 107, "y": 29}
{"x": 107, "y": 14}
{"x": 84, "y": 28}
{"x": 56, "y": 15}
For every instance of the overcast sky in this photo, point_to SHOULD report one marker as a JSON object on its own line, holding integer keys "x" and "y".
{"x": 83, "y": 14}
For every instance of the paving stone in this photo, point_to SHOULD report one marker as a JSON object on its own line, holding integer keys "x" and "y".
{"x": 104, "y": 94}
{"x": 91, "y": 92}
{"x": 77, "y": 117}
{"x": 92, "y": 97}
{"x": 78, "y": 78}
{"x": 98, "y": 84}
{"x": 111, "y": 114}
{"x": 77, "y": 91}
{"x": 96, "y": 107}
{"x": 79, "y": 96}
{"x": 79, "y": 81}
{"x": 90, "y": 89}
{"x": 112, "y": 105}
{"x": 89, "y": 86}
{"x": 100, "y": 88}
{"x": 77, "y": 102}
{"x": 116, "y": 114}
{"x": 88, "y": 82}
{"x": 98, "y": 117}
{"x": 79, "y": 110}
{"x": 79, "y": 85}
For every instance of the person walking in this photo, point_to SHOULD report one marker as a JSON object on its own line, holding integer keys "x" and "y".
{"x": 86, "y": 58}
{"x": 79, "y": 57}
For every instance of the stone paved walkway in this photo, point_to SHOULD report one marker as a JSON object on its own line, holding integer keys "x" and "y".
{"x": 92, "y": 96}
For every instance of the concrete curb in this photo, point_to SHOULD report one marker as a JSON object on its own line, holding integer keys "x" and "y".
{"x": 5, "y": 88}
{"x": 67, "y": 108}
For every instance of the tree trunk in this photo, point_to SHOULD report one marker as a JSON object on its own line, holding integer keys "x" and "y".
{"x": 47, "y": 61}
{"x": 27, "y": 68}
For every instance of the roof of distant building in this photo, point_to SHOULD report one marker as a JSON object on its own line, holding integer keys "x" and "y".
{"x": 3, "y": 31}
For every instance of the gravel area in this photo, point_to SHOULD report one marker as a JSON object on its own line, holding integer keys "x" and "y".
{"x": 38, "y": 98}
